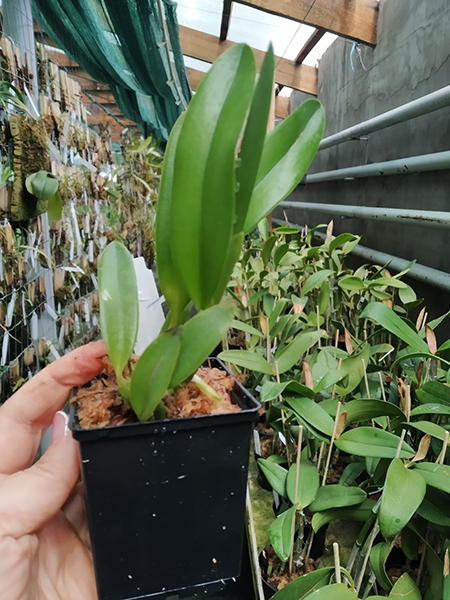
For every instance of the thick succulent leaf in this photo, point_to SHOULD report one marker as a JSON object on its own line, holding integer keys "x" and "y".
{"x": 405, "y": 588}
{"x": 119, "y": 307}
{"x": 434, "y": 391}
{"x": 369, "y": 441}
{"x": 288, "y": 151}
{"x": 200, "y": 336}
{"x": 308, "y": 483}
{"x": 360, "y": 512}
{"x": 403, "y": 493}
{"x": 434, "y": 508}
{"x": 387, "y": 318}
{"x": 335, "y": 591}
{"x": 378, "y": 557}
{"x": 281, "y": 534}
{"x": 248, "y": 360}
{"x": 169, "y": 278}
{"x": 204, "y": 183}
{"x": 253, "y": 140}
{"x": 337, "y": 496}
{"x": 303, "y": 586}
{"x": 275, "y": 475}
{"x": 42, "y": 184}
{"x": 153, "y": 372}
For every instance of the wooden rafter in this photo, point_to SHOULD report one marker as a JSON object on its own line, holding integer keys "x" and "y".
{"x": 282, "y": 104}
{"x": 316, "y": 36}
{"x": 209, "y": 47}
{"x": 353, "y": 19}
{"x": 226, "y": 16}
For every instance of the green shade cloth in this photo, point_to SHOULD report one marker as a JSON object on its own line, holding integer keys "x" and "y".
{"x": 122, "y": 43}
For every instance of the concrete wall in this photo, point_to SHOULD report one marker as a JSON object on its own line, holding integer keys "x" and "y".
{"x": 411, "y": 59}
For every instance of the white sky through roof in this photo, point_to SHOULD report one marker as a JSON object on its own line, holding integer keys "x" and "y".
{"x": 254, "y": 27}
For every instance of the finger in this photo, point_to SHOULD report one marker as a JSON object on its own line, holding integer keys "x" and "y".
{"x": 30, "y": 498}
{"x": 29, "y": 412}
{"x": 75, "y": 512}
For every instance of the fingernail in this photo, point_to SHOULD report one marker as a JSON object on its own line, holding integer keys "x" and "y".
{"x": 60, "y": 426}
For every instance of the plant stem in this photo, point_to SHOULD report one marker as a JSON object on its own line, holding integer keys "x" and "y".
{"x": 297, "y": 475}
{"x": 330, "y": 450}
{"x": 400, "y": 443}
{"x": 206, "y": 388}
{"x": 334, "y": 387}
{"x": 318, "y": 324}
{"x": 373, "y": 535}
{"x": 283, "y": 418}
{"x": 337, "y": 562}
{"x": 365, "y": 378}
{"x": 441, "y": 457}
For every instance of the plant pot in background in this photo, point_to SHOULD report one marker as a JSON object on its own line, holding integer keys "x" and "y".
{"x": 166, "y": 499}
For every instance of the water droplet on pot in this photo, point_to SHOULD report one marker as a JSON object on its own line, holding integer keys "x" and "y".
{"x": 224, "y": 527}
{"x": 130, "y": 577}
{"x": 163, "y": 429}
{"x": 182, "y": 477}
{"x": 154, "y": 515}
{"x": 155, "y": 452}
{"x": 231, "y": 451}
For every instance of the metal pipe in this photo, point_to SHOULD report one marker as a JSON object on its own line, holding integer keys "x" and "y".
{"x": 416, "y": 108}
{"x": 414, "y": 164}
{"x": 434, "y": 277}
{"x": 422, "y": 218}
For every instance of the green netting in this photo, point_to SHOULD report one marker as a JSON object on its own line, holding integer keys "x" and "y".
{"x": 122, "y": 43}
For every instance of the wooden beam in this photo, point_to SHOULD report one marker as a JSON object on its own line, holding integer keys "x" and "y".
{"x": 316, "y": 36}
{"x": 282, "y": 104}
{"x": 353, "y": 19}
{"x": 208, "y": 47}
{"x": 226, "y": 16}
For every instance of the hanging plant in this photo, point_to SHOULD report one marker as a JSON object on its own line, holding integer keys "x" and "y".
{"x": 44, "y": 186}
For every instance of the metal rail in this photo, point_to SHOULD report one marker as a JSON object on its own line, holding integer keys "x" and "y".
{"x": 434, "y": 277}
{"x": 421, "y": 218}
{"x": 415, "y": 164}
{"x": 411, "y": 110}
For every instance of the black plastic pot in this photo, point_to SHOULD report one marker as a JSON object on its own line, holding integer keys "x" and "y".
{"x": 166, "y": 500}
{"x": 268, "y": 589}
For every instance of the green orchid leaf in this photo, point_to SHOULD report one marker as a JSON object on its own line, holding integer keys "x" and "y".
{"x": 337, "y": 496}
{"x": 434, "y": 508}
{"x": 288, "y": 356}
{"x": 369, "y": 441}
{"x": 248, "y": 360}
{"x": 432, "y": 392}
{"x": 312, "y": 413}
{"x": 119, "y": 307}
{"x": 430, "y": 409}
{"x": 340, "y": 240}
{"x": 353, "y": 366}
{"x": 405, "y": 588}
{"x": 267, "y": 248}
{"x": 407, "y": 295}
{"x": 303, "y": 586}
{"x": 378, "y": 557}
{"x": 204, "y": 181}
{"x": 200, "y": 336}
{"x": 281, "y": 534}
{"x": 288, "y": 151}
{"x": 437, "y": 476}
{"x": 316, "y": 280}
{"x": 335, "y": 591}
{"x": 427, "y": 427}
{"x": 388, "y": 319}
{"x": 55, "y": 206}
{"x": 403, "y": 493}
{"x": 308, "y": 483}
{"x": 253, "y": 140}
{"x": 275, "y": 475}
{"x": 43, "y": 185}
{"x": 387, "y": 282}
{"x": 364, "y": 410}
{"x": 351, "y": 473}
{"x": 240, "y": 326}
{"x": 360, "y": 512}
{"x": 352, "y": 284}
{"x": 169, "y": 278}
{"x": 153, "y": 372}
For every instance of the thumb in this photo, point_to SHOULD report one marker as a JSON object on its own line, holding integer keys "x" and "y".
{"x": 30, "y": 498}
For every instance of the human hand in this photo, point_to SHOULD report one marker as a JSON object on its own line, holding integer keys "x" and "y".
{"x": 44, "y": 543}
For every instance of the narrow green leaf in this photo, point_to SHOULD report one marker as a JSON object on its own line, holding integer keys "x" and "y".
{"x": 360, "y": 512}
{"x": 378, "y": 558}
{"x": 427, "y": 427}
{"x": 301, "y": 587}
{"x": 288, "y": 151}
{"x": 267, "y": 249}
{"x": 432, "y": 392}
{"x": 288, "y": 356}
{"x": 169, "y": 278}
{"x": 364, "y": 410}
{"x": 351, "y": 473}
{"x": 240, "y": 326}
{"x": 204, "y": 183}
{"x": 316, "y": 280}
{"x": 248, "y": 360}
{"x": 337, "y": 496}
{"x": 353, "y": 366}
{"x": 405, "y": 588}
{"x": 313, "y": 413}
{"x": 281, "y": 534}
{"x": 200, "y": 336}
{"x": 434, "y": 508}
{"x": 369, "y": 441}
{"x": 387, "y": 282}
{"x": 340, "y": 240}
{"x": 437, "y": 476}
{"x": 275, "y": 475}
{"x": 388, "y": 319}
{"x": 153, "y": 372}
{"x": 119, "y": 307}
{"x": 253, "y": 140}
{"x": 407, "y": 295}
{"x": 308, "y": 483}
{"x": 352, "y": 284}
{"x": 55, "y": 206}
{"x": 403, "y": 493}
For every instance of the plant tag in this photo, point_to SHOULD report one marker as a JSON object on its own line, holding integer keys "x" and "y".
{"x": 282, "y": 438}
{"x": 24, "y": 314}
{"x": 2, "y": 278}
{"x": 53, "y": 350}
{"x": 74, "y": 281}
{"x": 91, "y": 251}
{"x": 257, "y": 442}
{"x": 87, "y": 312}
{"x": 94, "y": 280}
{"x": 87, "y": 224}
{"x": 5, "y": 346}
{"x": 34, "y": 326}
{"x": 77, "y": 229}
{"x": 50, "y": 311}
{"x": 10, "y": 309}
{"x": 151, "y": 315}
{"x": 76, "y": 324}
